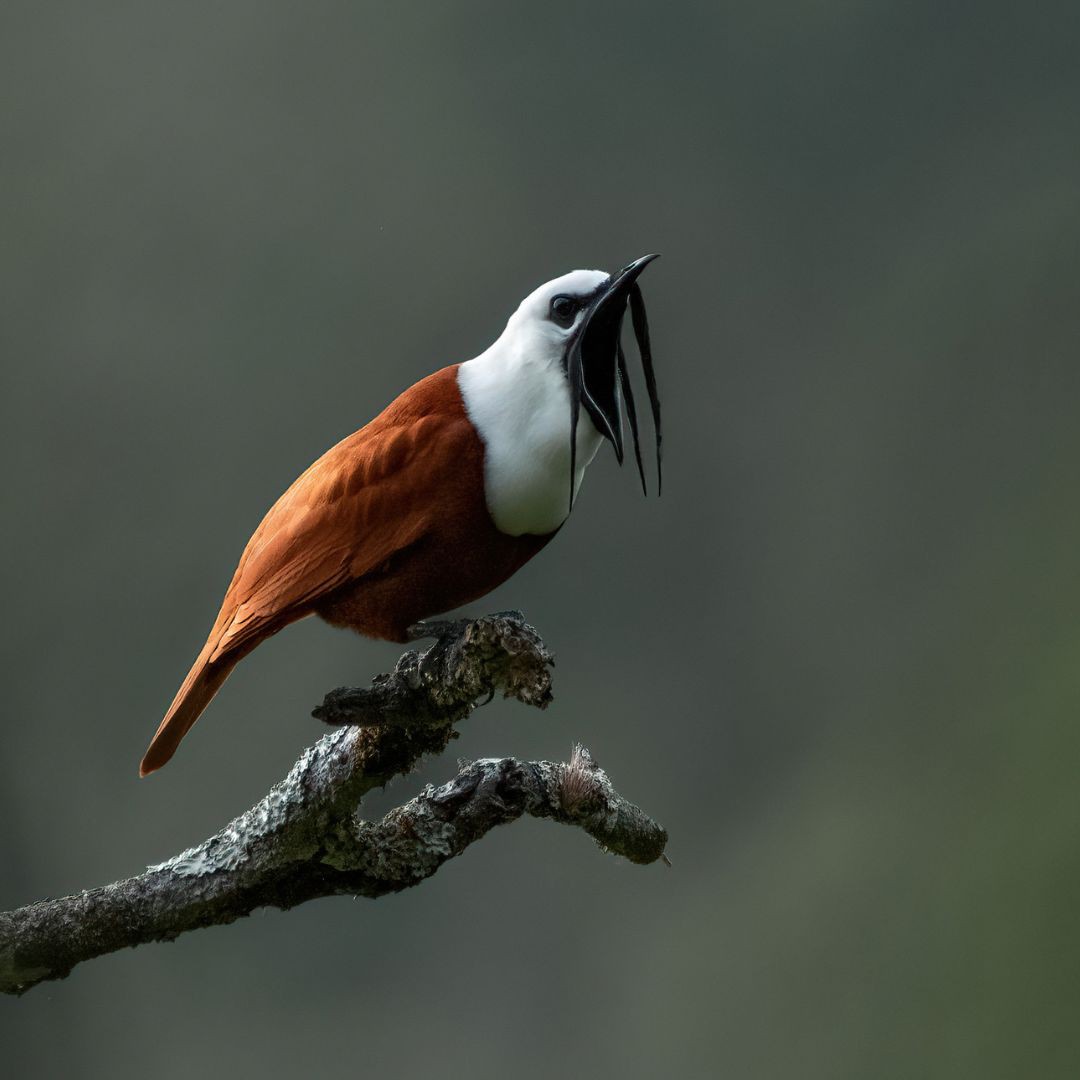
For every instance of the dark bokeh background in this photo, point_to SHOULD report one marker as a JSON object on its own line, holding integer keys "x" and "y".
{"x": 838, "y": 659}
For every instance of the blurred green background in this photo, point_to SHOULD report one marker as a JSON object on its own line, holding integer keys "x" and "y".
{"x": 838, "y": 659}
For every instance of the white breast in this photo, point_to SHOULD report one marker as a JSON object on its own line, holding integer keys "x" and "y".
{"x": 520, "y": 406}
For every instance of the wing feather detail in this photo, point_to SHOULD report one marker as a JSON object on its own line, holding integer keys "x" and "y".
{"x": 366, "y": 499}
{"x": 369, "y": 497}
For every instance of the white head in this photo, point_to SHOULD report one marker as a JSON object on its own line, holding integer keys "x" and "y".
{"x": 534, "y": 334}
{"x": 560, "y": 351}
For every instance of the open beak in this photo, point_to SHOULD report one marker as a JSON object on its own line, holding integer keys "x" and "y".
{"x": 596, "y": 367}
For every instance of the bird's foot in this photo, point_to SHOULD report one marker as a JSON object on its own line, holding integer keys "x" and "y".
{"x": 444, "y": 629}
{"x": 437, "y": 628}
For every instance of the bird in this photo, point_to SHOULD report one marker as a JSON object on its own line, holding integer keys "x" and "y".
{"x": 445, "y": 494}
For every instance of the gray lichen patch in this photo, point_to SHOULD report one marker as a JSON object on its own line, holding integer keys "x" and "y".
{"x": 304, "y": 839}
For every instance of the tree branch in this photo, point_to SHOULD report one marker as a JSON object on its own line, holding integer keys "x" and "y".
{"x": 305, "y": 838}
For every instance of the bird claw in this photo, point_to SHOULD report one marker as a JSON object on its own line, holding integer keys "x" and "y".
{"x": 437, "y": 628}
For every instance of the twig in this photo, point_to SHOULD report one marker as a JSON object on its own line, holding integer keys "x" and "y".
{"x": 305, "y": 838}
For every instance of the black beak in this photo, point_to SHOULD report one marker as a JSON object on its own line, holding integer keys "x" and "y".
{"x": 596, "y": 366}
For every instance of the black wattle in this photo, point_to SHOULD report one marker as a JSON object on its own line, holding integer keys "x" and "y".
{"x": 641, "y": 332}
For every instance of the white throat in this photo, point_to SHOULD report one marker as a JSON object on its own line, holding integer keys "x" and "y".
{"x": 517, "y": 397}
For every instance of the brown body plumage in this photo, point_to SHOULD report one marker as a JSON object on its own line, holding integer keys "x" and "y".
{"x": 388, "y": 527}
{"x": 445, "y": 494}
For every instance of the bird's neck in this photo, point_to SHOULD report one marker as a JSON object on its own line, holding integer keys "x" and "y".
{"x": 520, "y": 407}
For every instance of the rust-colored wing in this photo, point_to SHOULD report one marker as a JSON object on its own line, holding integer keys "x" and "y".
{"x": 372, "y": 495}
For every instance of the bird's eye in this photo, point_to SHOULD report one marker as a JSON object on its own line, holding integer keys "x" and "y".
{"x": 563, "y": 310}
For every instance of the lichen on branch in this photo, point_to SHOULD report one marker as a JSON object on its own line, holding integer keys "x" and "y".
{"x": 305, "y": 839}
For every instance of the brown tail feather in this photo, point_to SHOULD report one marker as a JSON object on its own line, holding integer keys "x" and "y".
{"x": 198, "y": 690}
